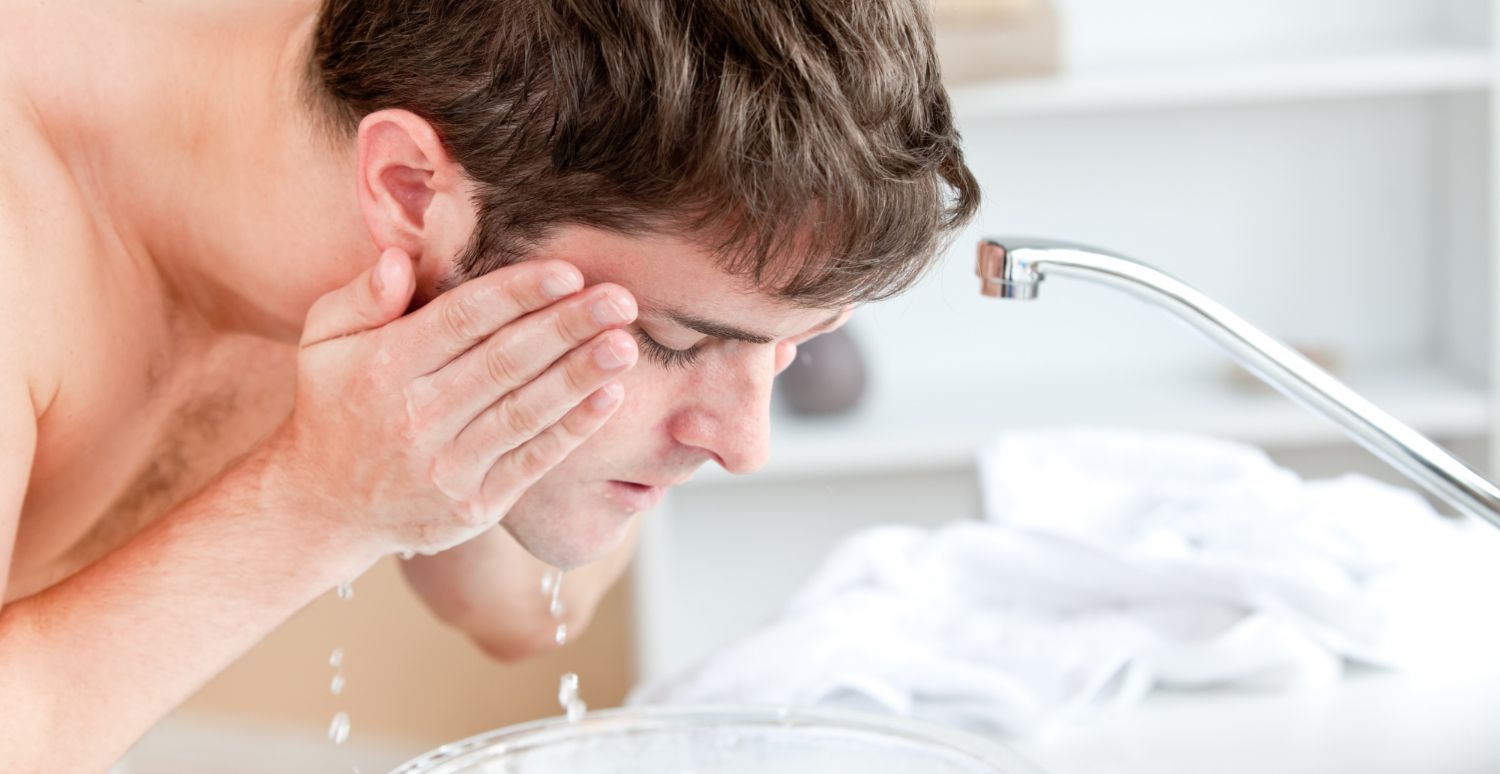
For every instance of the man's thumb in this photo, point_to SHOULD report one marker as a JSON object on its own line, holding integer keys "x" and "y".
{"x": 377, "y": 296}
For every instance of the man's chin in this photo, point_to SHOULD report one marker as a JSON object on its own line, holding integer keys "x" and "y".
{"x": 567, "y": 543}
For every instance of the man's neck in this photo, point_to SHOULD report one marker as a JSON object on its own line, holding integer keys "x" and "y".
{"x": 189, "y": 133}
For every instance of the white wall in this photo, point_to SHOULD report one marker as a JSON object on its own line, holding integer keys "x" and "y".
{"x": 1312, "y": 220}
{"x": 1103, "y": 33}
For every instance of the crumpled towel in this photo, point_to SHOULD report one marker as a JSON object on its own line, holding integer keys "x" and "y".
{"x": 1112, "y": 562}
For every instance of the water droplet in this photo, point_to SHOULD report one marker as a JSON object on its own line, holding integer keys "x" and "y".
{"x": 336, "y": 657}
{"x": 408, "y": 554}
{"x": 567, "y": 697}
{"x": 567, "y": 689}
{"x": 337, "y": 686}
{"x": 548, "y": 578}
{"x": 556, "y": 605}
{"x": 562, "y": 634}
{"x": 338, "y": 730}
{"x": 345, "y": 590}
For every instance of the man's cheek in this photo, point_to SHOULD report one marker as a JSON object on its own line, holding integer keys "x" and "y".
{"x": 647, "y": 390}
{"x": 623, "y": 425}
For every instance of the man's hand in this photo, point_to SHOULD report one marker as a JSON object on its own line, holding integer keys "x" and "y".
{"x": 416, "y": 431}
{"x": 420, "y": 432}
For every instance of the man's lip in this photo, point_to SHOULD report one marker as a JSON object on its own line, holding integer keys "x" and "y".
{"x": 636, "y": 496}
{"x": 668, "y": 485}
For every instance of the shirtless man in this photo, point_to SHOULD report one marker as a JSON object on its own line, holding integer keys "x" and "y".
{"x": 290, "y": 289}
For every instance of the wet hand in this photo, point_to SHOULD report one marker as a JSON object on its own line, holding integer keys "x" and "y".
{"x": 420, "y": 432}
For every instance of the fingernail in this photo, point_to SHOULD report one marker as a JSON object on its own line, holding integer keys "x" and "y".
{"x": 614, "y": 353}
{"x": 560, "y": 284}
{"x": 611, "y": 310}
{"x": 606, "y": 397}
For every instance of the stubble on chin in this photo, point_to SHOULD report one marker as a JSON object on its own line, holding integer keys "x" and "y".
{"x": 566, "y": 536}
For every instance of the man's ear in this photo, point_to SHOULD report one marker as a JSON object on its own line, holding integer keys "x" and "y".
{"x": 411, "y": 193}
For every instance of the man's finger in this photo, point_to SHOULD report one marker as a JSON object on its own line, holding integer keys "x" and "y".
{"x": 377, "y": 296}
{"x": 457, "y": 320}
{"x": 527, "y": 412}
{"x": 529, "y": 462}
{"x": 520, "y": 351}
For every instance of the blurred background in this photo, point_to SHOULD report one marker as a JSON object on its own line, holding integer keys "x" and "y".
{"x": 1322, "y": 167}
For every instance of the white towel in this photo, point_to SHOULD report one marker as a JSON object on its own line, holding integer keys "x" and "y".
{"x": 1112, "y": 562}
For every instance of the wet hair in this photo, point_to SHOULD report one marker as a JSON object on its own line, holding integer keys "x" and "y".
{"x": 808, "y": 143}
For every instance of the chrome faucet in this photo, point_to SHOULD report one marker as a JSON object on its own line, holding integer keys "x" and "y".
{"x": 1013, "y": 268}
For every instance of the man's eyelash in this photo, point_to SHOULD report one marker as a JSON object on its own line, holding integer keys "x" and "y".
{"x": 665, "y": 355}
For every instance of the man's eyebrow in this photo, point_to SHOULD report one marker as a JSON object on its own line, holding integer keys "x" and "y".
{"x": 723, "y": 331}
{"x": 716, "y": 329}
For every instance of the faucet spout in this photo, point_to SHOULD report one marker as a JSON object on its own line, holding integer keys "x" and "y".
{"x": 1014, "y": 268}
{"x": 1002, "y": 276}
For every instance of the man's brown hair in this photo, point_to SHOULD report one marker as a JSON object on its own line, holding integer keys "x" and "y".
{"x": 809, "y": 143}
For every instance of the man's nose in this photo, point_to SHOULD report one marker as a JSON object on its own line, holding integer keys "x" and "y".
{"x": 731, "y": 419}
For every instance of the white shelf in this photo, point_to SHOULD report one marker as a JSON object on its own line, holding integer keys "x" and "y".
{"x": 910, "y": 429}
{"x": 1400, "y": 73}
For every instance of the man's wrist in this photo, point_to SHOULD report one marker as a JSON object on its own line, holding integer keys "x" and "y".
{"x": 312, "y": 525}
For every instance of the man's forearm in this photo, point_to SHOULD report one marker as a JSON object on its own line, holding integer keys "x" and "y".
{"x": 91, "y": 663}
{"x": 490, "y": 588}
